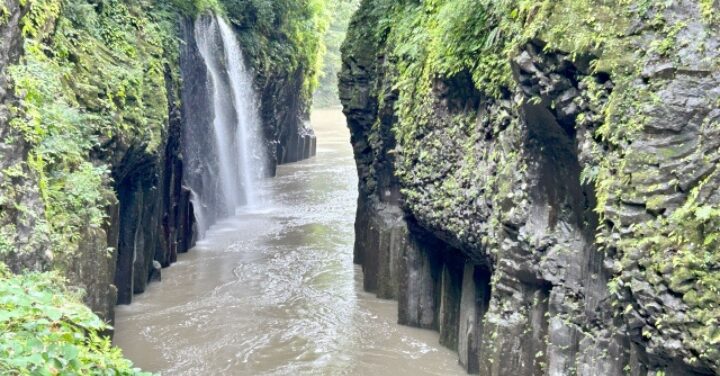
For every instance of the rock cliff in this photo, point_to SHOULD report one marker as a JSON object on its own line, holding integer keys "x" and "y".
{"x": 93, "y": 103}
{"x": 538, "y": 180}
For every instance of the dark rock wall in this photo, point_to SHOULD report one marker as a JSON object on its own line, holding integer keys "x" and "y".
{"x": 20, "y": 245}
{"x": 148, "y": 218}
{"x": 155, "y": 220}
{"x": 285, "y": 116}
{"x": 197, "y": 110}
{"x": 149, "y": 223}
{"x": 130, "y": 127}
{"x": 511, "y": 264}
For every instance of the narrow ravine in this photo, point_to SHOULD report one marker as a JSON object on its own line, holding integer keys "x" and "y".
{"x": 274, "y": 291}
{"x": 533, "y": 185}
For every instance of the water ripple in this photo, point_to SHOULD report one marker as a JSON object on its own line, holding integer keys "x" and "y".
{"x": 273, "y": 291}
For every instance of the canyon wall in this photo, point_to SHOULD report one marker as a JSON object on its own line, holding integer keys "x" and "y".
{"x": 21, "y": 186}
{"x": 92, "y": 110}
{"x": 93, "y": 174}
{"x": 288, "y": 125}
{"x": 538, "y": 180}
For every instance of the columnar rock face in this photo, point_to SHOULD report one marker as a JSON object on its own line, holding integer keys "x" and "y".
{"x": 287, "y": 126}
{"x": 537, "y": 202}
{"x": 154, "y": 218}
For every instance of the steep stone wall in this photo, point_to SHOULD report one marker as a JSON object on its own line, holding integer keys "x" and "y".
{"x": 92, "y": 112}
{"x": 113, "y": 187}
{"x": 154, "y": 221}
{"x": 285, "y": 115}
{"x": 508, "y": 188}
{"x": 21, "y": 185}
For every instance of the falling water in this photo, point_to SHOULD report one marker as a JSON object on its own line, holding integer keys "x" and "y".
{"x": 248, "y": 122}
{"x": 273, "y": 292}
{"x": 237, "y": 147}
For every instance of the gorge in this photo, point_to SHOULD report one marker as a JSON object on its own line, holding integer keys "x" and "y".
{"x": 274, "y": 291}
{"x": 530, "y": 187}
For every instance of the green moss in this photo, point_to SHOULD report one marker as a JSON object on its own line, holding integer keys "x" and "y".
{"x": 40, "y": 15}
{"x": 709, "y": 10}
{"x": 4, "y": 14}
{"x": 281, "y": 37}
{"x": 423, "y": 45}
{"x": 98, "y": 75}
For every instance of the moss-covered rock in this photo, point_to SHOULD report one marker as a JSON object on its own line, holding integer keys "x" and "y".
{"x": 91, "y": 122}
{"x": 569, "y": 146}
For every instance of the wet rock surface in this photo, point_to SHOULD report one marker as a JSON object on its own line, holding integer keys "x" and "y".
{"x": 150, "y": 219}
{"x": 285, "y": 114}
{"x": 512, "y": 264}
{"x": 21, "y": 185}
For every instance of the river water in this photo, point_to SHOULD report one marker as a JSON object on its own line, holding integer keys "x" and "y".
{"x": 273, "y": 291}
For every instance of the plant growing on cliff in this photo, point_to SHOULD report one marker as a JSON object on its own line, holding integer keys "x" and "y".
{"x": 92, "y": 78}
{"x": 282, "y": 36}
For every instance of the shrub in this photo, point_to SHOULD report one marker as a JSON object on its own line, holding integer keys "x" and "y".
{"x": 46, "y": 330}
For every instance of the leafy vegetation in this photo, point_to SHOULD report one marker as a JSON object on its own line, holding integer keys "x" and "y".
{"x": 46, "y": 330}
{"x": 96, "y": 78}
{"x": 341, "y": 11}
{"x": 282, "y": 36}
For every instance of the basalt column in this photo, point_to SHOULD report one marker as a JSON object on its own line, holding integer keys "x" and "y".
{"x": 155, "y": 220}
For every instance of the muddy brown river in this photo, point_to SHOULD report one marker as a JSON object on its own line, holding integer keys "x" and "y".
{"x": 273, "y": 290}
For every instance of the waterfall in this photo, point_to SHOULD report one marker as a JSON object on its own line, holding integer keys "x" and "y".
{"x": 229, "y": 156}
